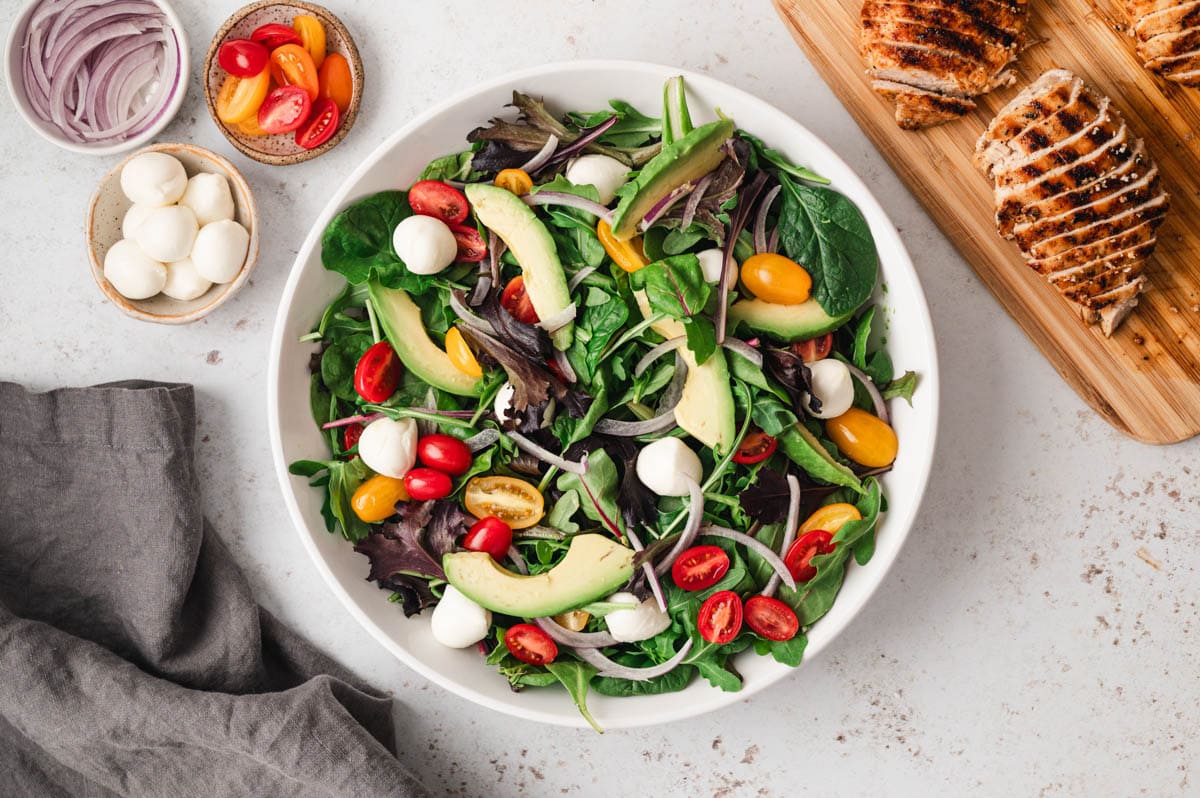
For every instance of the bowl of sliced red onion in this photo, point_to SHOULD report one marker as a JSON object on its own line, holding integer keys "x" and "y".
{"x": 97, "y": 77}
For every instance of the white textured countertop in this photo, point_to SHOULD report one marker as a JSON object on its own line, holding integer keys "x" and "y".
{"x": 1038, "y": 636}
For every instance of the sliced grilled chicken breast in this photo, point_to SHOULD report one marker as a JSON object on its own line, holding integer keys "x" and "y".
{"x": 1168, "y": 37}
{"x": 1078, "y": 193}
{"x": 930, "y": 57}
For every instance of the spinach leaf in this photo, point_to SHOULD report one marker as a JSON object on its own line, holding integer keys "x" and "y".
{"x": 450, "y": 167}
{"x": 670, "y": 682}
{"x": 338, "y": 363}
{"x": 601, "y": 316}
{"x": 577, "y": 227}
{"x": 575, "y": 676}
{"x": 674, "y": 286}
{"x": 358, "y": 243}
{"x": 789, "y": 652}
{"x": 701, "y": 337}
{"x": 903, "y": 387}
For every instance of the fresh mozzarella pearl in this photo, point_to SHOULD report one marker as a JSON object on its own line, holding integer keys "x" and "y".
{"x": 666, "y": 465}
{"x": 832, "y": 385}
{"x": 457, "y": 621}
{"x": 389, "y": 447}
{"x": 503, "y": 405}
{"x": 167, "y": 234}
{"x": 710, "y": 264}
{"x": 425, "y": 244}
{"x": 133, "y": 217}
{"x": 640, "y": 623}
{"x": 606, "y": 174}
{"x": 209, "y": 197}
{"x": 184, "y": 282}
{"x": 132, "y": 272}
{"x": 153, "y": 178}
{"x": 220, "y": 250}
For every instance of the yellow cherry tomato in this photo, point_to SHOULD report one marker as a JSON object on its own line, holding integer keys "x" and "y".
{"x": 312, "y": 36}
{"x": 831, "y": 517}
{"x": 239, "y": 98}
{"x": 515, "y": 180}
{"x": 863, "y": 437}
{"x": 514, "y": 501}
{"x": 460, "y": 354}
{"x": 626, "y": 254}
{"x": 573, "y": 620}
{"x": 774, "y": 278}
{"x": 376, "y": 499}
{"x": 250, "y": 127}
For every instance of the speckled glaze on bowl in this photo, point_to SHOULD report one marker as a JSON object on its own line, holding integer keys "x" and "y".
{"x": 108, "y": 208}
{"x": 281, "y": 150}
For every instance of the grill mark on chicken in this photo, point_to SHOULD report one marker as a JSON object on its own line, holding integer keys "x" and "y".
{"x": 1066, "y": 196}
{"x": 1080, "y": 256}
{"x": 1179, "y": 17}
{"x": 1168, "y": 34}
{"x": 917, "y": 108}
{"x": 1131, "y": 196}
{"x": 936, "y": 16}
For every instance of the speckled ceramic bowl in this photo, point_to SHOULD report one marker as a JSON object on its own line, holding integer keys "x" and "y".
{"x": 108, "y": 208}
{"x": 282, "y": 149}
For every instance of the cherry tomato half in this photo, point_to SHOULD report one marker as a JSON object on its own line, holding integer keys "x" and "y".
{"x": 377, "y": 373}
{"x": 774, "y": 278}
{"x": 471, "y": 246}
{"x": 530, "y": 644}
{"x": 517, "y": 302}
{"x": 424, "y": 484}
{"x": 350, "y": 436}
{"x": 320, "y": 126}
{"x": 334, "y": 80}
{"x": 517, "y": 181}
{"x": 754, "y": 448}
{"x": 700, "y": 567}
{"x": 799, "y": 557}
{"x": 242, "y": 57}
{"x": 274, "y": 35}
{"x": 445, "y": 453}
{"x": 720, "y": 617}
{"x": 284, "y": 110}
{"x": 439, "y": 200}
{"x": 514, "y": 501}
{"x": 291, "y": 65}
{"x": 814, "y": 349}
{"x": 239, "y": 98}
{"x": 771, "y": 618}
{"x": 489, "y": 534}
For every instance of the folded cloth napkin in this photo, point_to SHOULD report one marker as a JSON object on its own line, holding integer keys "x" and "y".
{"x": 133, "y": 659}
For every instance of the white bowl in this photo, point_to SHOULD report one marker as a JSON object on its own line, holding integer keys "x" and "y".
{"x": 395, "y": 164}
{"x": 16, "y": 86}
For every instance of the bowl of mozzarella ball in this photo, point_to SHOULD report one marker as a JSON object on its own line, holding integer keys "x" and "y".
{"x": 172, "y": 233}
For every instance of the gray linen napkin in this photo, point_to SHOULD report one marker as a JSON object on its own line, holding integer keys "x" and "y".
{"x": 133, "y": 659}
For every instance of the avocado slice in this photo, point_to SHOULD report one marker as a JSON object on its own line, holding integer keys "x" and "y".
{"x": 405, "y": 330}
{"x": 803, "y": 449}
{"x": 506, "y": 215}
{"x": 786, "y": 322}
{"x": 682, "y": 161}
{"x": 593, "y": 567}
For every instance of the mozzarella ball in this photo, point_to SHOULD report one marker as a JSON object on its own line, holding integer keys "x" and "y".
{"x": 833, "y": 386}
{"x": 167, "y": 234}
{"x": 457, "y": 621}
{"x": 132, "y": 272}
{"x": 640, "y": 623}
{"x": 606, "y": 174}
{"x": 133, "y": 217}
{"x": 666, "y": 465}
{"x": 389, "y": 447}
{"x": 220, "y": 250}
{"x": 184, "y": 282}
{"x": 425, "y": 244}
{"x": 209, "y": 197}
{"x": 710, "y": 264}
{"x": 502, "y": 405}
{"x": 153, "y": 178}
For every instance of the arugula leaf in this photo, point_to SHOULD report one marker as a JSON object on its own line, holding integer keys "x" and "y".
{"x": 861, "y": 334}
{"x": 575, "y": 676}
{"x": 597, "y": 490}
{"x": 633, "y": 128}
{"x": 670, "y": 682}
{"x": 902, "y": 387}
{"x": 789, "y": 652}
{"x": 701, "y": 337}
{"x": 450, "y": 167}
{"x": 338, "y": 363}
{"x": 563, "y": 510}
{"x": 776, "y": 159}
{"x": 342, "y": 479}
{"x": 358, "y": 243}
{"x": 674, "y": 286}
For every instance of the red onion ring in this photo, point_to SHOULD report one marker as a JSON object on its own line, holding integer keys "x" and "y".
{"x": 568, "y": 201}
{"x": 607, "y": 667}
{"x": 743, "y": 349}
{"x": 873, "y": 390}
{"x": 547, "y": 456}
{"x": 660, "y": 598}
{"x": 543, "y": 156}
{"x": 789, "y": 533}
{"x": 574, "y": 639}
{"x": 669, "y": 345}
{"x": 690, "y": 529}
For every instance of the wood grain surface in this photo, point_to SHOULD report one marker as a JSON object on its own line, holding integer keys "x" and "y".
{"x": 1145, "y": 380}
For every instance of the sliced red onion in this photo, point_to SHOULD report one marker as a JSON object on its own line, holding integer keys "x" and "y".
{"x": 669, "y": 345}
{"x": 466, "y": 316}
{"x": 559, "y": 320}
{"x": 580, "y": 276}
{"x": 518, "y": 561}
{"x": 743, "y": 349}
{"x": 755, "y": 545}
{"x": 773, "y": 241}
{"x": 348, "y": 420}
{"x": 543, "y": 156}
{"x": 631, "y": 429}
{"x": 688, "y": 535}
{"x": 760, "y": 221}
{"x": 660, "y": 208}
{"x": 648, "y": 568}
{"x": 789, "y": 534}
{"x": 873, "y": 390}
{"x": 564, "y": 366}
{"x": 564, "y": 635}
{"x": 693, "y": 202}
{"x": 569, "y": 201}
{"x": 496, "y": 247}
{"x": 737, "y": 223}
{"x": 607, "y": 667}
{"x": 585, "y": 139}
{"x": 547, "y": 456}
{"x": 483, "y": 439}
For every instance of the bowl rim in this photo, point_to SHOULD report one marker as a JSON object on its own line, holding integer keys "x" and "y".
{"x": 930, "y": 390}
{"x": 129, "y": 306}
{"x": 20, "y": 100}
{"x": 356, "y": 68}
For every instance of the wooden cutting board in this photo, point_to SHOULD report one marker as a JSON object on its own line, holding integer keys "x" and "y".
{"x": 1145, "y": 380}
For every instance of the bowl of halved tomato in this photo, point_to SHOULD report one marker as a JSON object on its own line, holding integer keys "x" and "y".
{"x": 283, "y": 81}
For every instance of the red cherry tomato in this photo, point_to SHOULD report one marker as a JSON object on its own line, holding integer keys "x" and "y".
{"x": 754, "y": 448}
{"x": 350, "y": 437}
{"x": 799, "y": 557}
{"x": 530, "y": 644}
{"x": 771, "y": 618}
{"x": 377, "y": 373}
{"x": 489, "y": 534}
{"x": 720, "y": 617}
{"x": 516, "y": 301}
{"x": 445, "y": 453}
{"x": 814, "y": 348}
{"x": 439, "y": 200}
{"x": 284, "y": 110}
{"x": 242, "y": 58}
{"x": 272, "y": 36}
{"x": 424, "y": 484}
{"x": 321, "y": 124}
{"x": 700, "y": 567}
{"x": 471, "y": 246}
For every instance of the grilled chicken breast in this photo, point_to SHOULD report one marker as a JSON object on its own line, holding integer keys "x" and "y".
{"x": 1077, "y": 191}
{"x": 930, "y": 57}
{"x": 1168, "y": 34}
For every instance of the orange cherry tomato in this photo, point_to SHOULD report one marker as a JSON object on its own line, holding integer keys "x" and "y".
{"x": 291, "y": 65}
{"x": 863, "y": 437}
{"x": 774, "y": 278}
{"x": 831, "y": 518}
{"x": 376, "y": 499}
{"x": 629, "y": 255}
{"x": 312, "y": 36}
{"x": 517, "y": 181}
{"x": 461, "y": 356}
{"x": 239, "y": 98}
{"x": 335, "y": 81}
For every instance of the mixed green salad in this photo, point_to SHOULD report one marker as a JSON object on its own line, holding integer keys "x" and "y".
{"x": 602, "y": 397}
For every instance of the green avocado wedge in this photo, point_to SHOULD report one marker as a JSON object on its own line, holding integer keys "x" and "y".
{"x": 785, "y": 322}
{"x": 405, "y": 331}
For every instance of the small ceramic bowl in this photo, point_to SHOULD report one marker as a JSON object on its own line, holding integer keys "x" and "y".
{"x": 13, "y": 73}
{"x": 281, "y": 149}
{"x": 108, "y": 208}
